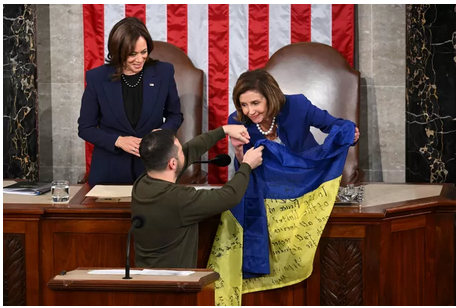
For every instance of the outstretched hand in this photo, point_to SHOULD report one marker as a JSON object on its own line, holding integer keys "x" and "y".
{"x": 238, "y": 132}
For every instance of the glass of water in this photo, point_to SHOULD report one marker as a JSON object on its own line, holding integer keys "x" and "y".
{"x": 60, "y": 190}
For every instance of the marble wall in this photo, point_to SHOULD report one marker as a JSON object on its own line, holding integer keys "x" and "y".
{"x": 431, "y": 93}
{"x": 60, "y": 87}
{"x": 381, "y": 46}
{"x": 20, "y": 146}
{"x": 381, "y": 32}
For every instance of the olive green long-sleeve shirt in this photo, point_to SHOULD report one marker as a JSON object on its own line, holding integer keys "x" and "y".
{"x": 172, "y": 211}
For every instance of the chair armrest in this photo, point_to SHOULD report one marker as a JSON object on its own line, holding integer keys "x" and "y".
{"x": 356, "y": 177}
{"x": 83, "y": 178}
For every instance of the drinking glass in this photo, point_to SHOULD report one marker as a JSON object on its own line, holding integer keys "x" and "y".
{"x": 60, "y": 190}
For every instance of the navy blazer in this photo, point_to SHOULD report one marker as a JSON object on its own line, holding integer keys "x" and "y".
{"x": 103, "y": 119}
{"x": 293, "y": 124}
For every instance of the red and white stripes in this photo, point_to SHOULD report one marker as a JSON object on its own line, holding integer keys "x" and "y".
{"x": 224, "y": 41}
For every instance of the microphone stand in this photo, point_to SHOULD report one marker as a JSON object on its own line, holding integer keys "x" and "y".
{"x": 127, "y": 266}
{"x": 137, "y": 222}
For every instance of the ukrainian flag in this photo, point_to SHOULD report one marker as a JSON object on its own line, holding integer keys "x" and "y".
{"x": 269, "y": 240}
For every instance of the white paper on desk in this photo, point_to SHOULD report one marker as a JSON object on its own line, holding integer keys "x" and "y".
{"x": 165, "y": 272}
{"x": 110, "y": 191}
{"x": 141, "y": 272}
{"x": 113, "y": 272}
{"x": 207, "y": 187}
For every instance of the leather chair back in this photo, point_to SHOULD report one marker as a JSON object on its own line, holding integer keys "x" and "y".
{"x": 323, "y": 75}
{"x": 189, "y": 80}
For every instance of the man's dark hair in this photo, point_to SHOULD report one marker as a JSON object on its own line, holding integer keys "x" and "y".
{"x": 157, "y": 148}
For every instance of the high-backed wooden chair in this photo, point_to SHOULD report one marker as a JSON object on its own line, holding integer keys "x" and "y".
{"x": 189, "y": 81}
{"x": 323, "y": 75}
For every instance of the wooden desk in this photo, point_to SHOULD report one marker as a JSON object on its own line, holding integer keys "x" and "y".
{"x": 397, "y": 249}
{"x": 82, "y": 289}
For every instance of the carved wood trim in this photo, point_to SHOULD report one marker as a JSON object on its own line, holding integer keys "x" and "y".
{"x": 341, "y": 271}
{"x": 14, "y": 279}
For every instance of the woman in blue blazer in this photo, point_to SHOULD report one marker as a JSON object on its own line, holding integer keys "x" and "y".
{"x": 268, "y": 113}
{"x": 124, "y": 100}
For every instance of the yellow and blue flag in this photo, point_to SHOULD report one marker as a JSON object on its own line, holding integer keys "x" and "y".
{"x": 269, "y": 240}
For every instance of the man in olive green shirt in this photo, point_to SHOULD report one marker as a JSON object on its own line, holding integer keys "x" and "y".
{"x": 172, "y": 211}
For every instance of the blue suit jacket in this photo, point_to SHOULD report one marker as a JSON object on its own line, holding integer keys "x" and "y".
{"x": 294, "y": 122}
{"x": 103, "y": 119}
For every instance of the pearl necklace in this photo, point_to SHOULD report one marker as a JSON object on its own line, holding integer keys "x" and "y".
{"x": 270, "y": 129}
{"x": 125, "y": 80}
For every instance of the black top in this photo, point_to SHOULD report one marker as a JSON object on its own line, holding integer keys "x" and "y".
{"x": 132, "y": 97}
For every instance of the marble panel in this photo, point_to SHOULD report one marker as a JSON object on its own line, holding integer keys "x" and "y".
{"x": 44, "y": 125}
{"x": 66, "y": 105}
{"x": 364, "y": 24}
{"x": 46, "y": 173}
{"x": 20, "y": 144}
{"x": 388, "y": 44}
{"x": 67, "y": 46}
{"x": 68, "y": 173}
{"x": 390, "y": 103}
{"x": 369, "y": 144}
{"x": 431, "y": 93}
{"x": 43, "y": 44}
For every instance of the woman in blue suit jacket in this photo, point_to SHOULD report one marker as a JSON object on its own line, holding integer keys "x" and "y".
{"x": 123, "y": 101}
{"x": 268, "y": 113}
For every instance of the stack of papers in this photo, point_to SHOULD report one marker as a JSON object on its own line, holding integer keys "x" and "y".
{"x": 142, "y": 272}
{"x": 110, "y": 191}
{"x": 27, "y": 188}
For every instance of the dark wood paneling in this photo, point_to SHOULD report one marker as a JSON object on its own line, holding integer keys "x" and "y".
{"x": 371, "y": 262}
{"x": 23, "y": 236}
{"x": 407, "y": 248}
{"x": 82, "y": 243}
{"x": 154, "y": 299}
{"x": 106, "y": 298}
{"x": 276, "y": 297}
{"x": 313, "y": 282}
{"x": 344, "y": 231}
{"x": 407, "y": 267}
{"x": 341, "y": 272}
{"x": 14, "y": 279}
{"x": 207, "y": 230}
{"x": 429, "y": 261}
{"x": 300, "y": 294}
{"x": 72, "y": 250}
{"x": 384, "y": 298}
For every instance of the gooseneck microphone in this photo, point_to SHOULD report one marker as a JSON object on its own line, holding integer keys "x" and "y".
{"x": 137, "y": 222}
{"x": 220, "y": 160}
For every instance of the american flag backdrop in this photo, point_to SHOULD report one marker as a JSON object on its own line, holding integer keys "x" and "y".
{"x": 223, "y": 40}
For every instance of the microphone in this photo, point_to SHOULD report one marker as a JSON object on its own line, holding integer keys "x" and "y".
{"x": 220, "y": 160}
{"x": 136, "y": 222}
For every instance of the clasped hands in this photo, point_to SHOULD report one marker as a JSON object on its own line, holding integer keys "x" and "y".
{"x": 238, "y": 133}
{"x": 129, "y": 144}
{"x": 240, "y": 136}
